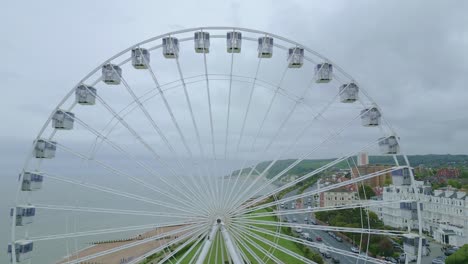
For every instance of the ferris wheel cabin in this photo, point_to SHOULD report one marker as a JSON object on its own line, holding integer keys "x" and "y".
{"x": 323, "y": 72}
{"x": 23, "y": 251}
{"x": 370, "y": 117}
{"x": 24, "y": 214}
{"x": 349, "y": 93}
{"x": 170, "y": 47}
{"x": 111, "y": 74}
{"x": 85, "y": 95}
{"x": 295, "y": 57}
{"x": 63, "y": 120}
{"x": 389, "y": 145}
{"x": 265, "y": 47}
{"x": 31, "y": 181}
{"x": 234, "y": 41}
{"x": 202, "y": 42}
{"x": 140, "y": 58}
{"x": 45, "y": 149}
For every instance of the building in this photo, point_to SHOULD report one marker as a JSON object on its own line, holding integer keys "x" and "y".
{"x": 337, "y": 197}
{"x": 444, "y": 212}
{"x": 362, "y": 159}
{"x": 378, "y": 181}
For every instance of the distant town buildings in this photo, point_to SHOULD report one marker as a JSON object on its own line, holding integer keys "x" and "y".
{"x": 378, "y": 181}
{"x": 338, "y": 197}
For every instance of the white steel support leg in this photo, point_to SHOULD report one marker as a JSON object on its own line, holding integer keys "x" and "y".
{"x": 207, "y": 245}
{"x": 231, "y": 247}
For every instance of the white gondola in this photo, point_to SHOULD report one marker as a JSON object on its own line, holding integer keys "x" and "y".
{"x": 24, "y": 214}
{"x": 323, "y": 72}
{"x": 63, "y": 120}
{"x": 31, "y": 181}
{"x": 140, "y": 58}
{"x": 111, "y": 74}
{"x": 85, "y": 95}
{"x": 202, "y": 42}
{"x": 349, "y": 93}
{"x": 45, "y": 149}
{"x": 295, "y": 57}
{"x": 370, "y": 117}
{"x": 234, "y": 41}
{"x": 170, "y": 47}
{"x": 389, "y": 145}
{"x": 22, "y": 251}
{"x": 265, "y": 47}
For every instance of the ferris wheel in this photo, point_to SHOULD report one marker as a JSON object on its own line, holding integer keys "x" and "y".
{"x": 209, "y": 145}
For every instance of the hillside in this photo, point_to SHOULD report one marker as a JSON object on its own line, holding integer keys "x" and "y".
{"x": 430, "y": 160}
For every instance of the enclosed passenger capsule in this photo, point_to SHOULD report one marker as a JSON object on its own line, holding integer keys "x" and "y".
{"x": 111, "y": 74}
{"x": 202, "y": 42}
{"x": 22, "y": 251}
{"x": 45, "y": 149}
{"x": 24, "y": 214}
{"x": 295, "y": 57}
{"x": 370, "y": 117}
{"x": 140, "y": 58}
{"x": 170, "y": 47}
{"x": 349, "y": 93}
{"x": 63, "y": 120}
{"x": 234, "y": 42}
{"x": 85, "y": 95}
{"x": 323, "y": 72}
{"x": 265, "y": 47}
{"x": 31, "y": 181}
{"x": 389, "y": 145}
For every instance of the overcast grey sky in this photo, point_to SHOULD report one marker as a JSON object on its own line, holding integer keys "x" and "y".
{"x": 411, "y": 55}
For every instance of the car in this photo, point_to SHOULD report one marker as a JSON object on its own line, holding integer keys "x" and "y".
{"x": 325, "y": 253}
{"x": 335, "y": 260}
{"x": 338, "y": 238}
{"x": 309, "y": 207}
{"x": 391, "y": 260}
{"x": 312, "y": 221}
{"x": 306, "y": 220}
{"x": 305, "y": 235}
{"x": 298, "y": 229}
{"x": 403, "y": 257}
{"x": 450, "y": 251}
{"x": 439, "y": 260}
{"x": 318, "y": 239}
{"x": 330, "y": 233}
{"x": 285, "y": 206}
{"x": 282, "y": 205}
{"x": 294, "y": 219}
{"x": 355, "y": 249}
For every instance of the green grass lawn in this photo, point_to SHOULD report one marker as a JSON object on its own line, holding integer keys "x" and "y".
{"x": 218, "y": 254}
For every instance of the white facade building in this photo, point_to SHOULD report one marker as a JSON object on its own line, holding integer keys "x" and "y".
{"x": 337, "y": 197}
{"x": 444, "y": 212}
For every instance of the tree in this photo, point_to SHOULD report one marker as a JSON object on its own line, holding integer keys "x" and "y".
{"x": 454, "y": 184}
{"x": 366, "y": 192}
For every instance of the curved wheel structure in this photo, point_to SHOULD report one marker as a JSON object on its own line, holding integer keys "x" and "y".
{"x": 207, "y": 145}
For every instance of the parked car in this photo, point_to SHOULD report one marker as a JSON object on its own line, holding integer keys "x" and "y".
{"x": 312, "y": 221}
{"x": 410, "y": 258}
{"x": 390, "y": 259}
{"x": 338, "y": 238}
{"x": 355, "y": 249}
{"x": 325, "y": 253}
{"x": 439, "y": 260}
{"x": 306, "y": 220}
{"x": 298, "y": 229}
{"x": 450, "y": 251}
{"x": 318, "y": 239}
{"x": 294, "y": 219}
